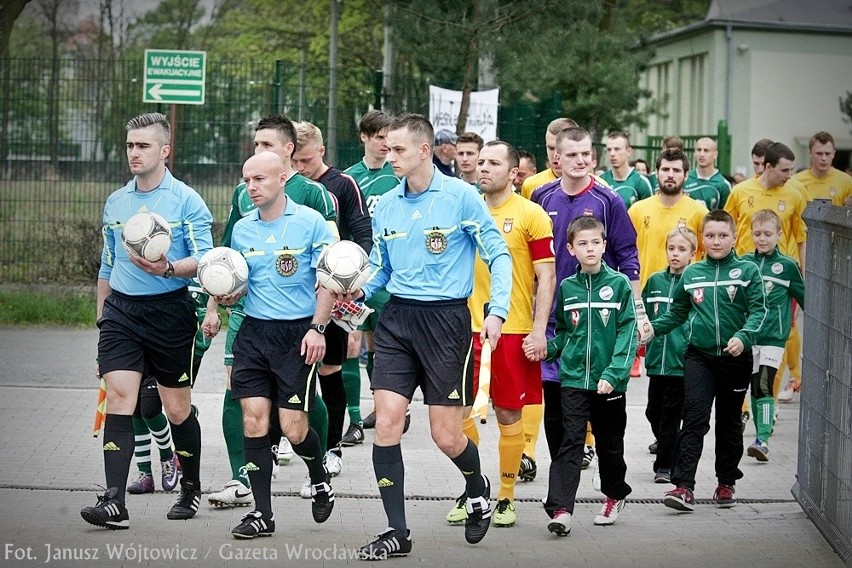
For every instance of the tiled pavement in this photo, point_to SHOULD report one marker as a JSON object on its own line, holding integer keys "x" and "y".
{"x": 50, "y": 465}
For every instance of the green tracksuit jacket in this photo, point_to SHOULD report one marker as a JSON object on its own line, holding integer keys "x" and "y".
{"x": 663, "y": 355}
{"x": 721, "y": 299}
{"x": 595, "y": 330}
{"x": 782, "y": 280}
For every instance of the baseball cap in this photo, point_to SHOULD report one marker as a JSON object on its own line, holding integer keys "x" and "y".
{"x": 445, "y": 136}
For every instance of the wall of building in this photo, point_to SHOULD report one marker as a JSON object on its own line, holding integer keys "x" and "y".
{"x": 797, "y": 81}
{"x": 784, "y": 86}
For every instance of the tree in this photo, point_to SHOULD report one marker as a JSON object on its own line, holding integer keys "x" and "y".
{"x": 444, "y": 42}
{"x": 646, "y": 17}
{"x": 170, "y": 24}
{"x": 9, "y": 12}
{"x": 56, "y": 13}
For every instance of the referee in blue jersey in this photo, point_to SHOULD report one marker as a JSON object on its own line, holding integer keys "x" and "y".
{"x": 425, "y": 234}
{"x": 282, "y": 337}
{"x": 147, "y": 318}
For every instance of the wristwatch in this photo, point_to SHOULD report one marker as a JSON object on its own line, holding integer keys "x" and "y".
{"x": 318, "y": 327}
{"x": 170, "y": 270}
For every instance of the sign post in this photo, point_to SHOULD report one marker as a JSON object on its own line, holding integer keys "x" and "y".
{"x": 174, "y": 77}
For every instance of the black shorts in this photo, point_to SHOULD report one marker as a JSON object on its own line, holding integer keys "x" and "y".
{"x": 425, "y": 344}
{"x": 153, "y": 335}
{"x": 336, "y": 344}
{"x": 266, "y": 358}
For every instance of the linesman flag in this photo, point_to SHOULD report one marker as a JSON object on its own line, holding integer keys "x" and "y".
{"x": 100, "y": 410}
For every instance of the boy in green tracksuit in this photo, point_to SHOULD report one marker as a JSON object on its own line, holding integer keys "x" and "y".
{"x": 595, "y": 344}
{"x": 782, "y": 281}
{"x": 664, "y": 355}
{"x": 722, "y": 297}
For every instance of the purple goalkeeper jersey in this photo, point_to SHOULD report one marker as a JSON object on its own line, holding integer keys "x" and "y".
{"x": 598, "y": 201}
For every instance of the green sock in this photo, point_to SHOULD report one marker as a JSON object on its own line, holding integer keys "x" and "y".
{"x": 352, "y": 386}
{"x": 318, "y": 419}
{"x": 764, "y": 412}
{"x": 232, "y": 428}
{"x": 142, "y": 445}
{"x": 159, "y": 427}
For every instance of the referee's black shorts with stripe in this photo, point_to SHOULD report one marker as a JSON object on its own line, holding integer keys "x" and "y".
{"x": 153, "y": 335}
{"x": 426, "y": 345}
{"x": 267, "y": 357}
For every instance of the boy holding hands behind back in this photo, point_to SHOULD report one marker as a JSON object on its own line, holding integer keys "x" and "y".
{"x": 595, "y": 342}
{"x": 723, "y": 298}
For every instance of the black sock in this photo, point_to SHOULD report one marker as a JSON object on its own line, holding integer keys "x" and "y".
{"x": 468, "y": 464}
{"x": 118, "y": 451}
{"x": 334, "y": 396}
{"x": 187, "y": 439}
{"x": 259, "y": 467}
{"x": 311, "y": 452}
{"x": 390, "y": 477}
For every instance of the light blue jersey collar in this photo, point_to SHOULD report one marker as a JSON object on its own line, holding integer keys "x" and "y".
{"x": 289, "y": 209}
{"x": 167, "y": 182}
{"x": 435, "y": 184}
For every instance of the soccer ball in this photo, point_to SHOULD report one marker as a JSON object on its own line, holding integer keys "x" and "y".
{"x": 147, "y": 235}
{"x": 343, "y": 267}
{"x": 222, "y": 271}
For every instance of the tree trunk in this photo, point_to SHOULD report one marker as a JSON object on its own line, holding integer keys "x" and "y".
{"x": 331, "y": 129}
{"x": 470, "y": 57}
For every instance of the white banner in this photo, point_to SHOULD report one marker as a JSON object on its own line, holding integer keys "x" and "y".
{"x": 444, "y": 107}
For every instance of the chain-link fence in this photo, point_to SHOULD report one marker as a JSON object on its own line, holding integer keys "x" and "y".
{"x": 824, "y": 477}
{"x": 62, "y": 142}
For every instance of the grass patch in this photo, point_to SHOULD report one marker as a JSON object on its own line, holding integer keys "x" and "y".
{"x": 54, "y": 305}
{"x": 36, "y": 307}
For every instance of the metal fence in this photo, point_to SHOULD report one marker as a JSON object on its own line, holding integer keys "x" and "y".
{"x": 62, "y": 142}
{"x": 723, "y": 145}
{"x": 824, "y": 477}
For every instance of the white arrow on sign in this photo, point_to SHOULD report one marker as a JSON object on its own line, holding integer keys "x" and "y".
{"x": 158, "y": 92}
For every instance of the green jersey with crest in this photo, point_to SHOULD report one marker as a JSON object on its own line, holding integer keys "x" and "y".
{"x": 712, "y": 191}
{"x": 663, "y": 355}
{"x": 373, "y": 183}
{"x": 719, "y": 299}
{"x": 783, "y": 282}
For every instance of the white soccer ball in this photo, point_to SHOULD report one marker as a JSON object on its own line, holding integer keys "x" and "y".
{"x": 343, "y": 267}
{"x": 147, "y": 235}
{"x": 222, "y": 271}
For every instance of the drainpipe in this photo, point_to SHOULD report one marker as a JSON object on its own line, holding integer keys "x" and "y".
{"x": 729, "y": 36}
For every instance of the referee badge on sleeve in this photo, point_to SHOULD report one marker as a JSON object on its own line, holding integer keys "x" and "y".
{"x": 286, "y": 264}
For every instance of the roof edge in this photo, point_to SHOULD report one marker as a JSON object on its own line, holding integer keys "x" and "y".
{"x": 748, "y": 25}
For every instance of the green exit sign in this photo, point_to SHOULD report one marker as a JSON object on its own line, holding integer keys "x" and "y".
{"x": 174, "y": 77}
